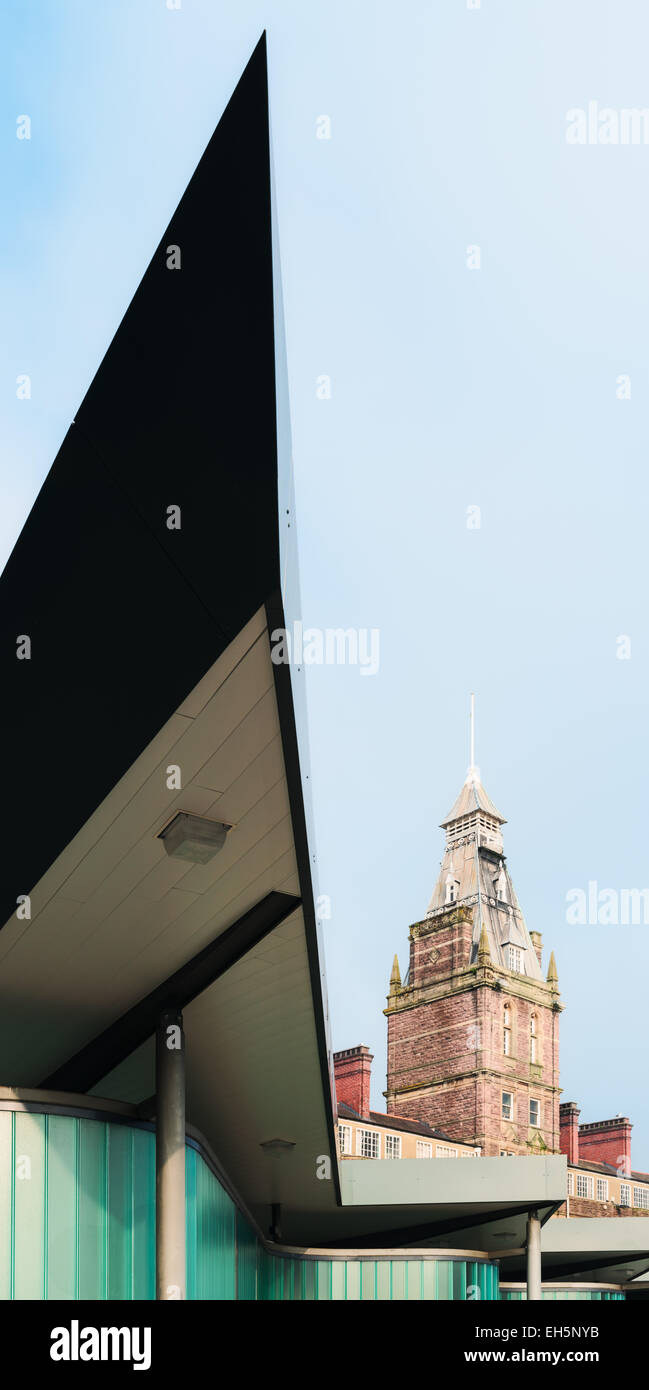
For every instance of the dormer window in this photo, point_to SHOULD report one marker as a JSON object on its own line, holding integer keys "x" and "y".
{"x": 452, "y": 885}
{"x": 515, "y": 960}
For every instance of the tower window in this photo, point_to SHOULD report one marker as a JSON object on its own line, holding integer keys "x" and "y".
{"x": 507, "y": 1105}
{"x": 451, "y": 889}
{"x": 535, "y": 1114}
{"x": 533, "y": 1053}
{"x": 515, "y": 959}
{"x": 507, "y": 1030}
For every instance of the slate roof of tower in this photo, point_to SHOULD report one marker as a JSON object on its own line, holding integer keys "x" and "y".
{"x": 473, "y": 797}
{"x": 476, "y": 867}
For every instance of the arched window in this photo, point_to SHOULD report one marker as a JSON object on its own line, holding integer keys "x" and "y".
{"x": 533, "y": 1038}
{"x": 451, "y": 888}
{"x": 507, "y": 1030}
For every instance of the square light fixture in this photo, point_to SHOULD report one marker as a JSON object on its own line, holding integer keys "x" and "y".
{"x": 193, "y": 837}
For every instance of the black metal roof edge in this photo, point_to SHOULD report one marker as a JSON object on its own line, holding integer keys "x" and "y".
{"x": 288, "y": 731}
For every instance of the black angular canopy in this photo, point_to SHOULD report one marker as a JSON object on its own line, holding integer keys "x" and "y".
{"x": 125, "y": 614}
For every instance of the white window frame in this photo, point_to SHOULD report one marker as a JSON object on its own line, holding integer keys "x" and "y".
{"x": 571, "y": 1183}
{"x": 345, "y": 1138}
{"x": 602, "y": 1189}
{"x": 361, "y": 1132}
{"x": 508, "y": 1117}
{"x": 585, "y": 1185}
{"x": 625, "y": 1194}
{"x": 641, "y": 1197}
{"x": 392, "y": 1141}
{"x": 424, "y": 1148}
{"x": 535, "y": 1124}
{"x": 445, "y": 1151}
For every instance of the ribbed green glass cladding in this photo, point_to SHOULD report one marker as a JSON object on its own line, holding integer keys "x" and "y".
{"x": 360, "y": 1278}
{"x": 77, "y": 1221}
{"x": 567, "y": 1294}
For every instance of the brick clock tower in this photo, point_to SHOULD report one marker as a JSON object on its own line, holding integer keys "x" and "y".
{"x": 473, "y": 1031}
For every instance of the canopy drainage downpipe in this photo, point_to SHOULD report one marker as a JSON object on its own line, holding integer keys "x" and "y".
{"x": 170, "y": 1156}
{"x": 533, "y": 1257}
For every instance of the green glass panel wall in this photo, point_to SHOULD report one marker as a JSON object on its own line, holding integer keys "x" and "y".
{"x": 77, "y": 1220}
{"x": 77, "y": 1208}
{"x": 211, "y": 1234}
{"x": 280, "y": 1278}
{"x": 246, "y": 1261}
{"x": 566, "y": 1295}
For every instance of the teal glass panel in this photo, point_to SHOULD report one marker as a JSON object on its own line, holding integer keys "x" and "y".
{"x": 338, "y": 1281}
{"x": 391, "y": 1280}
{"x": 323, "y": 1283}
{"x": 459, "y": 1280}
{"x": 414, "y": 1276}
{"x": 61, "y": 1137}
{"x": 352, "y": 1270}
{"x": 309, "y": 1279}
{"x": 368, "y": 1279}
{"x": 191, "y": 1163}
{"x": 429, "y": 1279}
{"x": 29, "y": 1206}
{"x": 119, "y": 1208}
{"x": 6, "y": 1203}
{"x": 299, "y": 1280}
{"x": 92, "y": 1208}
{"x": 444, "y": 1280}
{"x": 143, "y": 1218}
{"x": 246, "y": 1260}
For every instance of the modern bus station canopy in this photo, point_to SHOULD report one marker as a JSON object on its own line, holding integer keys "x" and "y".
{"x": 158, "y": 852}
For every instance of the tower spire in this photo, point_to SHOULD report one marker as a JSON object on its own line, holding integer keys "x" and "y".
{"x": 473, "y": 772}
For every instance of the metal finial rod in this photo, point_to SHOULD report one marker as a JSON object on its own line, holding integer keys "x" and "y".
{"x": 472, "y": 723}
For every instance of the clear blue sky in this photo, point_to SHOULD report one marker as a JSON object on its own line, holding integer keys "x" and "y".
{"x": 450, "y": 388}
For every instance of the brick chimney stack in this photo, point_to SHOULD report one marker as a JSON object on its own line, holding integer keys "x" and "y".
{"x": 352, "y": 1072}
{"x": 537, "y": 942}
{"x": 607, "y": 1141}
{"x": 569, "y": 1130}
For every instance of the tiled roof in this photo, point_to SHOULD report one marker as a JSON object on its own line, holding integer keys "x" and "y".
{"x": 376, "y": 1117}
{"x": 591, "y": 1167}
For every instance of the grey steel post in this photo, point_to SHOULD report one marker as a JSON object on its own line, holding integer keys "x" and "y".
{"x": 170, "y": 1156}
{"x": 533, "y": 1244}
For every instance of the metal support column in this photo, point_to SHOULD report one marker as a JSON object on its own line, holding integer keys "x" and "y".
{"x": 533, "y": 1244}
{"x": 170, "y": 1156}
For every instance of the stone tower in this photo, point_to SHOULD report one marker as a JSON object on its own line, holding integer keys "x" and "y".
{"x": 473, "y": 1030}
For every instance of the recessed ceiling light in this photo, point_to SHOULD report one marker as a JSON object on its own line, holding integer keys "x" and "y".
{"x": 193, "y": 837}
